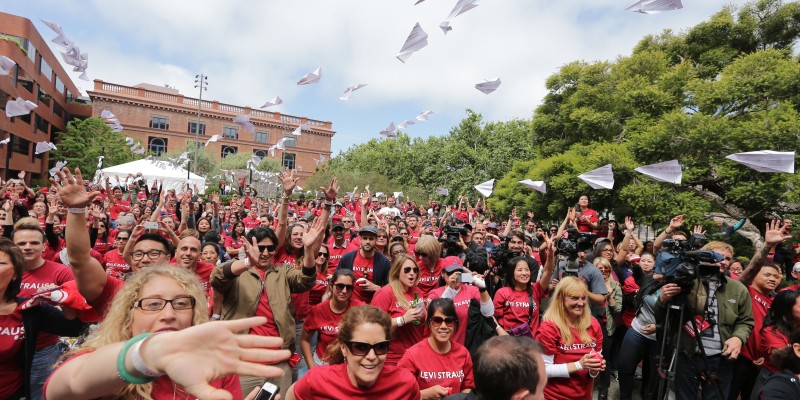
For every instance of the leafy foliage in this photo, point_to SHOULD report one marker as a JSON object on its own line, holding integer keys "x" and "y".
{"x": 85, "y": 141}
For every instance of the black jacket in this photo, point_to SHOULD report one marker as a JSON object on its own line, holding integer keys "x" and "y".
{"x": 479, "y": 328}
{"x": 781, "y": 386}
{"x": 43, "y": 318}
{"x": 380, "y": 266}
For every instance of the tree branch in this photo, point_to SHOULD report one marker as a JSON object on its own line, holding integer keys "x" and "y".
{"x": 747, "y": 231}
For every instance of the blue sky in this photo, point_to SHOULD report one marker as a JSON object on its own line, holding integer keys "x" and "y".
{"x": 253, "y": 51}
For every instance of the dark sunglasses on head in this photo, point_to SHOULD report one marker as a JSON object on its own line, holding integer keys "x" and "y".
{"x": 362, "y": 349}
{"x": 436, "y": 321}
{"x": 269, "y": 247}
{"x": 342, "y": 286}
{"x": 409, "y": 269}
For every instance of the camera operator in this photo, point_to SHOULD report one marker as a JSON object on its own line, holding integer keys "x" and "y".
{"x": 457, "y": 241}
{"x": 722, "y": 312}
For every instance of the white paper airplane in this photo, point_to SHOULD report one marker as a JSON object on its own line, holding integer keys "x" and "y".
{"x": 105, "y": 114}
{"x": 52, "y": 25}
{"x": 390, "y": 131}
{"x": 667, "y": 171}
{"x": 311, "y": 77}
{"x": 19, "y": 107}
{"x": 243, "y": 120}
{"x": 442, "y": 191}
{"x": 100, "y": 161}
{"x": 398, "y": 195}
{"x": 655, "y": 6}
{"x": 6, "y": 140}
{"x": 424, "y": 115}
{"x": 600, "y": 178}
{"x": 350, "y": 89}
{"x": 43, "y": 147}
{"x": 6, "y": 65}
{"x": 319, "y": 160}
{"x": 405, "y": 124}
{"x": 281, "y": 145}
{"x": 273, "y": 102}
{"x": 213, "y": 138}
{"x": 299, "y": 130}
{"x": 57, "y": 167}
{"x": 488, "y": 86}
{"x": 538, "y": 186}
{"x": 485, "y": 188}
{"x": 766, "y": 160}
{"x": 461, "y": 7}
{"x": 416, "y": 40}
{"x": 140, "y": 152}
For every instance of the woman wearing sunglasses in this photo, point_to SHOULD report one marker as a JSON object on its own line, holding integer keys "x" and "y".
{"x": 357, "y": 364}
{"x": 321, "y": 286}
{"x": 324, "y": 318}
{"x": 403, "y": 301}
{"x": 441, "y": 366}
{"x": 462, "y": 294}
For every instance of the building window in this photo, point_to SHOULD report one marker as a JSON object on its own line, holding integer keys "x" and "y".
{"x": 44, "y": 97}
{"x": 24, "y": 80}
{"x": 230, "y": 132}
{"x": 60, "y": 85}
{"x": 228, "y": 150}
{"x": 42, "y": 124}
{"x": 291, "y": 141}
{"x": 261, "y": 136}
{"x": 262, "y": 154}
{"x": 58, "y": 110}
{"x": 288, "y": 160}
{"x": 157, "y": 122}
{"x": 44, "y": 69}
{"x": 21, "y": 146}
{"x": 24, "y": 118}
{"x": 31, "y": 52}
{"x": 193, "y": 128}
{"x": 157, "y": 145}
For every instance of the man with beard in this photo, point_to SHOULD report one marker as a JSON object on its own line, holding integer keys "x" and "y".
{"x": 338, "y": 245}
{"x": 370, "y": 267}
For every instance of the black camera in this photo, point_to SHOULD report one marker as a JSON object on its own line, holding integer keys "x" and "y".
{"x": 502, "y": 255}
{"x": 452, "y": 234}
{"x": 568, "y": 247}
{"x": 682, "y": 263}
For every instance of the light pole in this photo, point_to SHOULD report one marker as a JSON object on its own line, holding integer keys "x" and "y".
{"x": 200, "y": 81}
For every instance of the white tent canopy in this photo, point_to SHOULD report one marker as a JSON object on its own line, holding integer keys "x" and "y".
{"x": 172, "y": 177}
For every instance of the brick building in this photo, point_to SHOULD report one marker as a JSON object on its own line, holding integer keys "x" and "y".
{"x": 40, "y": 78}
{"x": 164, "y": 120}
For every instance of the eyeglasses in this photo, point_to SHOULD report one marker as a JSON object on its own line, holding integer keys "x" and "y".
{"x": 347, "y": 222}
{"x": 152, "y": 254}
{"x": 407, "y": 270}
{"x": 342, "y": 286}
{"x": 121, "y": 239}
{"x": 437, "y": 321}
{"x": 362, "y": 349}
{"x": 268, "y": 247}
{"x": 321, "y": 254}
{"x": 157, "y": 304}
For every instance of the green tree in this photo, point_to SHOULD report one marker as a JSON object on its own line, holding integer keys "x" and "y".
{"x": 85, "y": 141}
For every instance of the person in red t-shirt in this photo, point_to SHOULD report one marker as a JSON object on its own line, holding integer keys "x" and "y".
{"x": 462, "y": 294}
{"x": 519, "y": 302}
{"x": 323, "y": 319}
{"x": 358, "y": 367}
{"x": 403, "y": 301}
{"x": 782, "y": 319}
{"x": 587, "y": 219}
{"x": 572, "y": 343}
{"x": 168, "y": 300}
{"x": 187, "y": 255}
{"x": 428, "y": 252}
{"x": 441, "y": 366}
{"x": 114, "y": 261}
{"x": 321, "y": 285}
{"x": 338, "y": 245}
{"x": 235, "y": 241}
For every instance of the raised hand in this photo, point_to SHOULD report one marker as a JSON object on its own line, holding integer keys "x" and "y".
{"x": 774, "y": 233}
{"x": 332, "y": 191}
{"x": 71, "y": 190}
{"x": 676, "y": 222}
{"x": 629, "y": 224}
{"x": 288, "y": 181}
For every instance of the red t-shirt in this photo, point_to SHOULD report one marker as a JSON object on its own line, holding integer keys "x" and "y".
{"x": 102, "y": 246}
{"x": 263, "y": 309}
{"x": 115, "y": 264}
{"x": 584, "y": 226}
{"x": 103, "y": 302}
{"x": 761, "y": 305}
{"x": 319, "y": 289}
{"x": 234, "y": 243}
{"x": 12, "y": 338}
{"x": 336, "y": 253}
{"x": 299, "y": 300}
{"x": 771, "y": 339}
{"x": 203, "y": 271}
{"x": 452, "y": 370}
{"x": 51, "y": 253}
{"x": 363, "y": 268}
{"x": 325, "y": 322}
{"x": 332, "y": 382}
{"x": 461, "y": 301}
{"x": 251, "y": 223}
{"x": 579, "y": 384}
{"x": 429, "y": 280}
{"x": 511, "y": 306}
{"x": 118, "y": 207}
{"x": 404, "y": 336}
{"x": 50, "y": 273}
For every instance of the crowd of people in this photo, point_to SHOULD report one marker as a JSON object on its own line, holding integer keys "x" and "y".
{"x": 181, "y": 295}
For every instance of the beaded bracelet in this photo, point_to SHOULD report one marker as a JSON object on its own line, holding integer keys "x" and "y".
{"x": 122, "y": 371}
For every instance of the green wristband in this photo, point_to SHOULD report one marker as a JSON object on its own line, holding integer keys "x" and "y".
{"x": 122, "y": 371}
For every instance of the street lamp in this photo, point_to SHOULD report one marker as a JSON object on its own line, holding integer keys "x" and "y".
{"x": 201, "y": 82}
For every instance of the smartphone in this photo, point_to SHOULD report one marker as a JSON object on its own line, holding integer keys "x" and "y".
{"x": 151, "y": 225}
{"x": 465, "y": 278}
{"x": 267, "y": 392}
{"x": 427, "y": 224}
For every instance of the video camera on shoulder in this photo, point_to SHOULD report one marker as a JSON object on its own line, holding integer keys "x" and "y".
{"x": 568, "y": 247}
{"x": 501, "y": 255}
{"x": 681, "y": 261}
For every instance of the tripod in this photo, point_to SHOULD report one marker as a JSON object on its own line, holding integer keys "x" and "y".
{"x": 666, "y": 373}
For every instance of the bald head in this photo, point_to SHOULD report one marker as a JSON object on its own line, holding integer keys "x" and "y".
{"x": 188, "y": 252}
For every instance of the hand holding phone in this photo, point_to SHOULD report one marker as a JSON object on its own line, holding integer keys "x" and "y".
{"x": 267, "y": 392}
{"x": 151, "y": 225}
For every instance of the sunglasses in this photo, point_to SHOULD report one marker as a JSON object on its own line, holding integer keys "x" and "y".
{"x": 362, "y": 349}
{"x": 342, "y": 286}
{"x": 383, "y": 236}
{"x": 437, "y": 321}
{"x": 407, "y": 270}
{"x": 321, "y": 254}
{"x": 268, "y": 247}
{"x": 452, "y": 272}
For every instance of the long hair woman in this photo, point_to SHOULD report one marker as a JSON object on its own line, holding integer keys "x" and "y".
{"x": 428, "y": 252}
{"x": 324, "y": 318}
{"x": 572, "y": 342}
{"x": 439, "y": 352}
{"x": 784, "y": 384}
{"x": 403, "y": 301}
{"x": 154, "y": 344}
{"x": 519, "y": 302}
{"x": 358, "y": 367}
